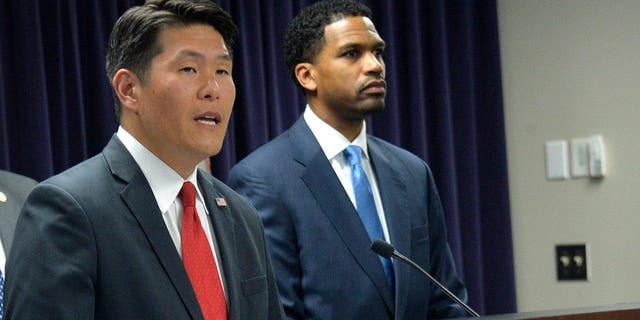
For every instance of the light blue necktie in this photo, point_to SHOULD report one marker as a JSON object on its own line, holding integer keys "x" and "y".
{"x": 1, "y": 294}
{"x": 366, "y": 207}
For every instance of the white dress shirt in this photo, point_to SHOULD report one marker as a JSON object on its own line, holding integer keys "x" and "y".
{"x": 333, "y": 143}
{"x": 166, "y": 184}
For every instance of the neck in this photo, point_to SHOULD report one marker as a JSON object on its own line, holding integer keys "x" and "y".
{"x": 349, "y": 128}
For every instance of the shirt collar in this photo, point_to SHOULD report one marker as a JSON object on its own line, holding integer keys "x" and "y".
{"x": 163, "y": 180}
{"x": 331, "y": 141}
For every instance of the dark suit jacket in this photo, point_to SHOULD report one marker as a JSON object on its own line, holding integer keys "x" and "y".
{"x": 319, "y": 246}
{"x": 15, "y": 187}
{"x": 91, "y": 244}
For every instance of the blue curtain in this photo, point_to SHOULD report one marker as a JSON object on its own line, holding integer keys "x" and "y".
{"x": 444, "y": 104}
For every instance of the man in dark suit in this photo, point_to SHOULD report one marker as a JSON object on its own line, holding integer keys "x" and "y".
{"x": 308, "y": 193}
{"x": 13, "y": 191}
{"x": 137, "y": 232}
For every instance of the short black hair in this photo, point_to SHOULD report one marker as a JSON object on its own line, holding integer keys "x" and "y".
{"x": 133, "y": 42}
{"x": 304, "y": 38}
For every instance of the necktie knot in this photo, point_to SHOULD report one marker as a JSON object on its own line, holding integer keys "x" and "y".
{"x": 187, "y": 195}
{"x": 353, "y": 154}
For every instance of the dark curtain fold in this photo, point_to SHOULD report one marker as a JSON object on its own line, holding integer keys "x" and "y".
{"x": 444, "y": 104}
{"x": 55, "y": 101}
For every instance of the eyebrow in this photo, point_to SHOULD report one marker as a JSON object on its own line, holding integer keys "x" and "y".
{"x": 359, "y": 45}
{"x": 195, "y": 54}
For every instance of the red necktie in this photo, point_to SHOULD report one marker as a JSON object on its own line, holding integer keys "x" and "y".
{"x": 198, "y": 259}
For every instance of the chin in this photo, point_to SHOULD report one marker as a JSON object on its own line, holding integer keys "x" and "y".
{"x": 213, "y": 145}
{"x": 372, "y": 108}
{"x": 211, "y": 150}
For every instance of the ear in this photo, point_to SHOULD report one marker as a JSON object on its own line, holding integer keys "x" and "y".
{"x": 305, "y": 74}
{"x": 125, "y": 83}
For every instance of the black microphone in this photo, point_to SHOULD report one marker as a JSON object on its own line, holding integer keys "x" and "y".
{"x": 386, "y": 250}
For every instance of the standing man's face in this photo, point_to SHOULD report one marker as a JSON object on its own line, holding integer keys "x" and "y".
{"x": 182, "y": 110}
{"x": 348, "y": 73}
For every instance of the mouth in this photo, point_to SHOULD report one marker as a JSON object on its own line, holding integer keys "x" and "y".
{"x": 209, "y": 118}
{"x": 376, "y": 87}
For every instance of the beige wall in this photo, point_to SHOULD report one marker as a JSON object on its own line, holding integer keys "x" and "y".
{"x": 571, "y": 68}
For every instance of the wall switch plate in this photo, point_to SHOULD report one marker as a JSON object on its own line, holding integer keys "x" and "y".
{"x": 572, "y": 262}
{"x": 557, "y": 160}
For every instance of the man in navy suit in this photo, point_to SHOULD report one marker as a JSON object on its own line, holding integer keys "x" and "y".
{"x": 107, "y": 239}
{"x": 301, "y": 185}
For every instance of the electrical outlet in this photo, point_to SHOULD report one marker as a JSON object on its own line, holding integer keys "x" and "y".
{"x": 572, "y": 262}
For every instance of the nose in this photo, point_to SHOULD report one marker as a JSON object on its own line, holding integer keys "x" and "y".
{"x": 374, "y": 64}
{"x": 211, "y": 89}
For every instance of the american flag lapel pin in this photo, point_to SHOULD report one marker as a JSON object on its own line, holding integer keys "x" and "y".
{"x": 221, "y": 202}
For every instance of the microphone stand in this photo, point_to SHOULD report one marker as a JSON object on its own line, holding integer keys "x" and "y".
{"x": 386, "y": 250}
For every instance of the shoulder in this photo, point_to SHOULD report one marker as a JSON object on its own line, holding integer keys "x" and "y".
{"x": 275, "y": 158}
{"x": 82, "y": 177}
{"x": 86, "y": 186}
{"x": 395, "y": 153}
{"x": 15, "y": 181}
{"x": 404, "y": 164}
{"x": 270, "y": 151}
{"x": 296, "y": 143}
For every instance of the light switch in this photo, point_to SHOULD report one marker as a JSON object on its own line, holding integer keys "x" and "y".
{"x": 557, "y": 160}
{"x": 580, "y": 157}
{"x": 596, "y": 156}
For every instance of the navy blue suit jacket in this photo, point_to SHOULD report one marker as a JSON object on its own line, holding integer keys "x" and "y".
{"x": 91, "y": 244}
{"x": 320, "y": 249}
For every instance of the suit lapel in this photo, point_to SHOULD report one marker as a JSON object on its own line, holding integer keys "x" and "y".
{"x": 322, "y": 182}
{"x": 393, "y": 193}
{"x": 138, "y": 196}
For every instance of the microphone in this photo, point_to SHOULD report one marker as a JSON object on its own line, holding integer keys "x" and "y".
{"x": 386, "y": 250}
